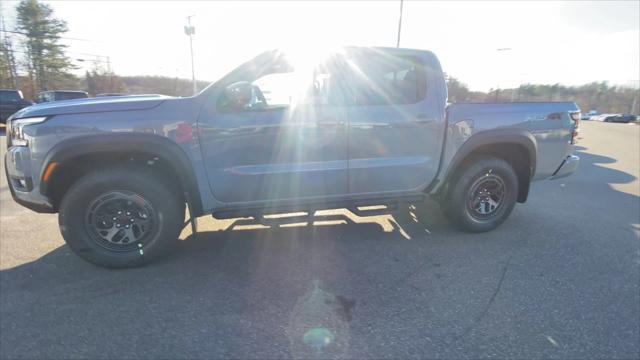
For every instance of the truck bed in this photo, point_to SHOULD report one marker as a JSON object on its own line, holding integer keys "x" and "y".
{"x": 548, "y": 122}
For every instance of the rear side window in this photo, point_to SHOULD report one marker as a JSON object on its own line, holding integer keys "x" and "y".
{"x": 383, "y": 79}
{"x": 9, "y": 96}
{"x": 45, "y": 97}
{"x": 48, "y": 96}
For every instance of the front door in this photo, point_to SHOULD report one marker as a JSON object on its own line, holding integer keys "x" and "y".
{"x": 285, "y": 142}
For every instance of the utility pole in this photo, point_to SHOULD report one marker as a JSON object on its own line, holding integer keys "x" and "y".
{"x": 110, "y": 74}
{"x": 399, "y": 24}
{"x": 191, "y": 30}
{"x": 502, "y": 50}
{"x": 108, "y": 61}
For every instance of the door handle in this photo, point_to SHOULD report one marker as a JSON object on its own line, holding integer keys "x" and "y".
{"x": 329, "y": 121}
{"x": 422, "y": 119}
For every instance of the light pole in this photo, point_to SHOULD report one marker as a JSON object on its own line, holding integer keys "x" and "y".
{"x": 502, "y": 50}
{"x": 399, "y": 24}
{"x": 191, "y": 30}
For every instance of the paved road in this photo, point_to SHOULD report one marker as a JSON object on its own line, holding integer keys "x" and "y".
{"x": 560, "y": 279}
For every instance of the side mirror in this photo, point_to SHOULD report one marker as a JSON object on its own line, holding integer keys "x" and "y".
{"x": 238, "y": 95}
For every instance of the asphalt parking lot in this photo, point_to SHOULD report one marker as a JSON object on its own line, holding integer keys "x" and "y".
{"x": 560, "y": 279}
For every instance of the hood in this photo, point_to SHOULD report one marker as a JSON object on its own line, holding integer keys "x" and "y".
{"x": 92, "y": 105}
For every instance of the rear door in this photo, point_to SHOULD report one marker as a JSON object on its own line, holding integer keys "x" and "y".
{"x": 396, "y": 120}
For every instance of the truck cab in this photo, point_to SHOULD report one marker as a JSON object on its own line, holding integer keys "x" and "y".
{"x": 338, "y": 127}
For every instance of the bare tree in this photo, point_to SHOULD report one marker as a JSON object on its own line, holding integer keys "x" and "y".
{"x": 8, "y": 66}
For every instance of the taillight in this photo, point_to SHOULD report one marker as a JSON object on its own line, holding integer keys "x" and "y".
{"x": 184, "y": 133}
{"x": 575, "y": 116}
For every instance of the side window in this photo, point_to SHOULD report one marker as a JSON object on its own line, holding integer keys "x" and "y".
{"x": 275, "y": 90}
{"x": 278, "y": 89}
{"x": 9, "y": 96}
{"x": 318, "y": 87}
{"x": 383, "y": 79}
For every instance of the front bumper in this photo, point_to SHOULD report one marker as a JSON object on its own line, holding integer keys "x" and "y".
{"x": 568, "y": 167}
{"x": 18, "y": 171}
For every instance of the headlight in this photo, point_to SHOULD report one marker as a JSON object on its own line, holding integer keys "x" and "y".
{"x": 16, "y": 128}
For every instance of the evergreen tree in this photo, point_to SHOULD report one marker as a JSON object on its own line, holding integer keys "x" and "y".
{"x": 45, "y": 58}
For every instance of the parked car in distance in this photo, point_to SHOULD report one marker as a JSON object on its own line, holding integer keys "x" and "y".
{"x": 281, "y": 133}
{"x": 589, "y": 115}
{"x": 10, "y": 102}
{"x": 58, "y": 95}
{"x": 621, "y": 118}
{"x": 601, "y": 117}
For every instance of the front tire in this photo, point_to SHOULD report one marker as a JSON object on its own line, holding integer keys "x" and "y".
{"x": 121, "y": 217}
{"x": 482, "y": 195}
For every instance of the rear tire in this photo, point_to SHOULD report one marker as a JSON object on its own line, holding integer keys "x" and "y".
{"x": 482, "y": 194}
{"x": 121, "y": 217}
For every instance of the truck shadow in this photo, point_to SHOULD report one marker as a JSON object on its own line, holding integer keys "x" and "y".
{"x": 236, "y": 270}
{"x": 591, "y": 169}
{"x": 241, "y": 235}
{"x": 239, "y": 280}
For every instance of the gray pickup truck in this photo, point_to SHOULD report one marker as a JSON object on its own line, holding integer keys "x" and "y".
{"x": 283, "y": 132}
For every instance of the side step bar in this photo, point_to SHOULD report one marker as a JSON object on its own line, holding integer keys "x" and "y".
{"x": 374, "y": 210}
{"x": 371, "y": 207}
{"x": 281, "y": 220}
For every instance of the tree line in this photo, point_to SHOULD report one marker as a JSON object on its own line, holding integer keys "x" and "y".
{"x": 38, "y": 61}
{"x": 598, "y": 96}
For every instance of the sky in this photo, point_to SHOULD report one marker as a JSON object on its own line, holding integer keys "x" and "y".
{"x": 571, "y": 43}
